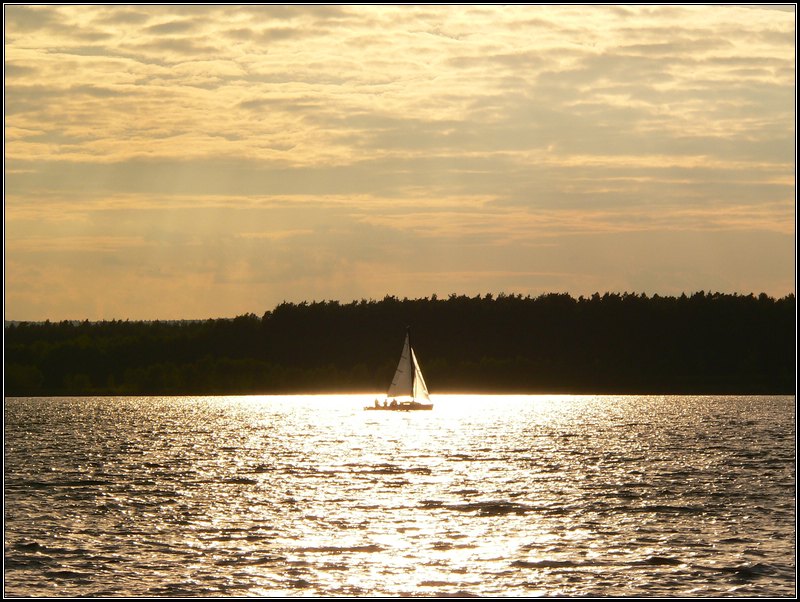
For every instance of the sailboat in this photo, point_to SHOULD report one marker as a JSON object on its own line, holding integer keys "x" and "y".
{"x": 408, "y": 390}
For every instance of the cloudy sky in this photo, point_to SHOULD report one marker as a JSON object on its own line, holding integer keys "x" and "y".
{"x": 208, "y": 161}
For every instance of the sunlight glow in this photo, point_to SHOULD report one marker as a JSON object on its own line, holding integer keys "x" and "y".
{"x": 325, "y": 137}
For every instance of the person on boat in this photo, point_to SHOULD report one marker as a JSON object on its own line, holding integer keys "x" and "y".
{"x": 385, "y": 404}
{"x": 394, "y": 403}
{"x": 377, "y": 405}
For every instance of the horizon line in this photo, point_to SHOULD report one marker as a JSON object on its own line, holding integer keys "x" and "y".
{"x": 388, "y": 297}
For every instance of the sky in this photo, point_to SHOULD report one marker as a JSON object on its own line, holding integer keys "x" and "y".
{"x": 190, "y": 162}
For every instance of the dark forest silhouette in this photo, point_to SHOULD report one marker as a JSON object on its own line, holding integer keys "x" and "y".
{"x": 611, "y": 343}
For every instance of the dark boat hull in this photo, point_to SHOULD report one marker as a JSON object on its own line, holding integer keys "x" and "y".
{"x": 405, "y": 406}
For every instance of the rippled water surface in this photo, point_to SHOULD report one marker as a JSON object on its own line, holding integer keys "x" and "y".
{"x": 485, "y": 495}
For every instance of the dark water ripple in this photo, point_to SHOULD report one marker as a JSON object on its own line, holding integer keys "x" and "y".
{"x": 485, "y": 496}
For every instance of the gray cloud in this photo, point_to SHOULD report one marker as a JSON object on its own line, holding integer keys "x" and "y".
{"x": 26, "y": 18}
{"x": 674, "y": 47}
{"x": 181, "y": 46}
{"x": 123, "y": 16}
{"x": 295, "y": 11}
{"x": 272, "y": 34}
{"x": 285, "y": 104}
{"x": 15, "y": 70}
{"x": 171, "y": 27}
{"x": 24, "y": 99}
{"x": 526, "y": 185}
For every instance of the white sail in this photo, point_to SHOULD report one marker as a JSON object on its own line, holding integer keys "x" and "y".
{"x": 408, "y": 390}
{"x": 403, "y": 381}
{"x": 420, "y": 389}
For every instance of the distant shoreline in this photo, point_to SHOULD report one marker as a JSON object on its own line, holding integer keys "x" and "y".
{"x": 624, "y": 344}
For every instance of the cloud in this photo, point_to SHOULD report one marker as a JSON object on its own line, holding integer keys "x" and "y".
{"x": 355, "y": 146}
{"x": 287, "y": 104}
{"x": 27, "y": 18}
{"x": 171, "y": 27}
{"x": 91, "y": 244}
{"x": 276, "y": 235}
{"x": 267, "y": 35}
{"x": 179, "y": 46}
{"x": 125, "y": 16}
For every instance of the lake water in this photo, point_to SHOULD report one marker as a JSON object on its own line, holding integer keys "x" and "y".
{"x": 485, "y": 496}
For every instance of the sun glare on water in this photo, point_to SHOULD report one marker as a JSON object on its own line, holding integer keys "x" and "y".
{"x": 484, "y": 495}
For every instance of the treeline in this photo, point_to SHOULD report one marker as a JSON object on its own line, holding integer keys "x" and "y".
{"x": 612, "y": 343}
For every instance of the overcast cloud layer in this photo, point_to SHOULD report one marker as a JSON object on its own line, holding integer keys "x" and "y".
{"x": 190, "y": 162}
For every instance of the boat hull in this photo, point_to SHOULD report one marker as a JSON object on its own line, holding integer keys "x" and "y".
{"x": 405, "y": 406}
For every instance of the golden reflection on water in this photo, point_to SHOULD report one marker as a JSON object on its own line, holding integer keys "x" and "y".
{"x": 484, "y": 495}
{"x": 420, "y": 449}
